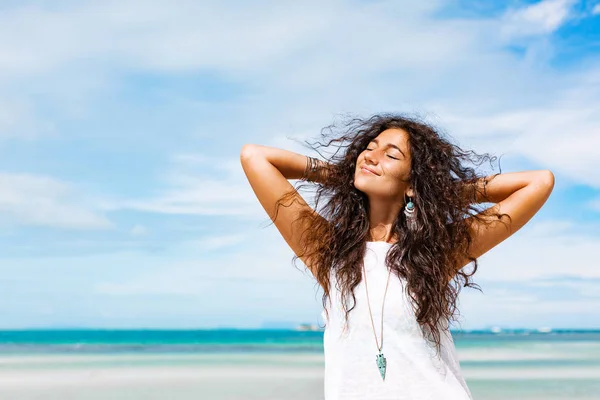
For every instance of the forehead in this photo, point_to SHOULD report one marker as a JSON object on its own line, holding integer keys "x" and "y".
{"x": 394, "y": 136}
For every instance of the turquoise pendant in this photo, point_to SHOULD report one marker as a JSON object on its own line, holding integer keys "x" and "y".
{"x": 381, "y": 364}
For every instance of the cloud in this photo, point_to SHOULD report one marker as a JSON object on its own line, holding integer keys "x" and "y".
{"x": 553, "y": 248}
{"x": 538, "y": 272}
{"x": 539, "y": 18}
{"x": 138, "y": 230}
{"x": 36, "y": 200}
{"x": 365, "y": 57}
{"x": 594, "y": 204}
{"x": 19, "y": 119}
{"x": 539, "y": 134}
{"x": 596, "y": 9}
{"x": 212, "y": 243}
{"x": 544, "y": 270}
{"x": 198, "y": 184}
{"x": 149, "y": 34}
{"x": 583, "y": 286}
{"x": 291, "y": 67}
{"x": 198, "y": 267}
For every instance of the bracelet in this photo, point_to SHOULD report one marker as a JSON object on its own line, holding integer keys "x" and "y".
{"x": 312, "y": 165}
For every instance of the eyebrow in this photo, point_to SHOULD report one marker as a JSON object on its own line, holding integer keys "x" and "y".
{"x": 389, "y": 145}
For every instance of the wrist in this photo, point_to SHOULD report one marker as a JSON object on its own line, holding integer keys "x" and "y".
{"x": 476, "y": 190}
{"x": 315, "y": 170}
{"x": 480, "y": 190}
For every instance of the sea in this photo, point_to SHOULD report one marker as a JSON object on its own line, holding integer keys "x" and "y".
{"x": 272, "y": 364}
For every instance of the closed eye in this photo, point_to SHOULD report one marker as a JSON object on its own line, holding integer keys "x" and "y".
{"x": 386, "y": 154}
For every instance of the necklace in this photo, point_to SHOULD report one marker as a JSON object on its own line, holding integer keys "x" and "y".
{"x": 379, "y": 358}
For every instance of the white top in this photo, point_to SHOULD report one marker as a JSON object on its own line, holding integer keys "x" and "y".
{"x": 413, "y": 371}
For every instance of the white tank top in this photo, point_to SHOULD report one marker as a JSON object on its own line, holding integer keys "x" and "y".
{"x": 413, "y": 371}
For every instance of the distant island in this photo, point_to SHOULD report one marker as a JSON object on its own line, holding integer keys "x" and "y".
{"x": 308, "y": 327}
{"x": 492, "y": 330}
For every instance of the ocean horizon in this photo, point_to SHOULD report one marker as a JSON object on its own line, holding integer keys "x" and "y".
{"x": 303, "y": 338}
{"x": 271, "y": 363}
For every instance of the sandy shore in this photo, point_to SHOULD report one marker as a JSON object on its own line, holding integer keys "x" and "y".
{"x": 214, "y": 377}
{"x": 164, "y": 383}
{"x": 219, "y": 377}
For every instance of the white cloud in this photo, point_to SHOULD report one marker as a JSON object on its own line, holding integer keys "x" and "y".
{"x": 195, "y": 162}
{"x": 595, "y": 204}
{"x": 486, "y": 310}
{"x": 190, "y": 278}
{"x": 553, "y": 248}
{"x": 302, "y": 63}
{"x": 201, "y": 185}
{"x": 220, "y": 242}
{"x": 201, "y": 195}
{"x": 43, "y": 201}
{"x": 138, "y": 230}
{"x": 350, "y": 55}
{"x": 541, "y": 252}
{"x": 562, "y": 136}
{"x": 584, "y": 287}
{"x": 596, "y": 9}
{"x": 539, "y": 18}
{"x": 146, "y": 34}
{"x": 198, "y": 267}
{"x": 18, "y": 118}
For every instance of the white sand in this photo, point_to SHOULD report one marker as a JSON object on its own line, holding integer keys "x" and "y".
{"x": 206, "y": 376}
{"x": 140, "y": 375}
{"x": 221, "y": 383}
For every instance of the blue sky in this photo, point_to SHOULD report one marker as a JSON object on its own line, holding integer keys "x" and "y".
{"x": 123, "y": 203}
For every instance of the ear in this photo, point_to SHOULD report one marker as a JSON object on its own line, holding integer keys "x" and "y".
{"x": 410, "y": 192}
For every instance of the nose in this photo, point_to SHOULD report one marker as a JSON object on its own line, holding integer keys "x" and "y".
{"x": 369, "y": 156}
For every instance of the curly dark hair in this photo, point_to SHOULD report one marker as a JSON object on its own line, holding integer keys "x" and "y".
{"x": 425, "y": 258}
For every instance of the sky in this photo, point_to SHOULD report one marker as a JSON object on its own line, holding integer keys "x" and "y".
{"x": 123, "y": 203}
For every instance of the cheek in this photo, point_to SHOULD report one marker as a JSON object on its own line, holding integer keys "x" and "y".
{"x": 399, "y": 173}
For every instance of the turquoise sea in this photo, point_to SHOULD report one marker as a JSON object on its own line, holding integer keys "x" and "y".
{"x": 271, "y": 364}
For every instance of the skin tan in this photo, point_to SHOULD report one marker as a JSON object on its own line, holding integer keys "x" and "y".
{"x": 385, "y": 190}
{"x": 518, "y": 194}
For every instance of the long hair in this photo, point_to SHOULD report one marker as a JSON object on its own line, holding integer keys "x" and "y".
{"x": 426, "y": 258}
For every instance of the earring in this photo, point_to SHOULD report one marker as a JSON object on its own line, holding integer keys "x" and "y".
{"x": 411, "y": 215}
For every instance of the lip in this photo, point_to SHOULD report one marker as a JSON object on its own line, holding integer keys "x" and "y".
{"x": 367, "y": 170}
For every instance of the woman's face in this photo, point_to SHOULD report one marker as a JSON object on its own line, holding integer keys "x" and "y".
{"x": 388, "y": 156}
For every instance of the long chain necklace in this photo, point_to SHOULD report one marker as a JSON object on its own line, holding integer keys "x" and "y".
{"x": 380, "y": 359}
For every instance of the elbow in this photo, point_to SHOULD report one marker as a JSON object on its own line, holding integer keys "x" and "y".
{"x": 246, "y": 151}
{"x": 548, "y": 178}
{"x": 252, "y": 150}
{"x": 546, "y": 181}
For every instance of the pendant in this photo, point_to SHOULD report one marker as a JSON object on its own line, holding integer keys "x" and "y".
{"x": 381, "y": 364}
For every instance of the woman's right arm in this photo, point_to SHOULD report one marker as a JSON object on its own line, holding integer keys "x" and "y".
{"x": 268, "y": 170}
{"x": 291, "y": 165}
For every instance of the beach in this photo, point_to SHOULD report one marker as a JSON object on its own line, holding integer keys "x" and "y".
{"x": 495, "y": 367}
{"x": 161, "y": 377}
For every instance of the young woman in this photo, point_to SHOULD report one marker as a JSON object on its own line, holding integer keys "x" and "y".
{"x": 402, "y": 219}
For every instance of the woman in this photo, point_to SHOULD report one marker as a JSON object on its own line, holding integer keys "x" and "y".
{"x": 400, "y": 223}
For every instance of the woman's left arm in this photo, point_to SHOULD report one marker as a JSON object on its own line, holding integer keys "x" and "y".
{"x": 518, "y": 194}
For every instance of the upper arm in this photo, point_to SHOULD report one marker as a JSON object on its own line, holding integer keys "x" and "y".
{"x": 520, "y": 207}
{"x": 269, "y": 185}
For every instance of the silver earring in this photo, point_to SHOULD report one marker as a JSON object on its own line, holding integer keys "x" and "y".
{"x": 411, "y": 215}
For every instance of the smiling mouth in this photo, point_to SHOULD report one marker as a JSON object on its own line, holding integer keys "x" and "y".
{"x": 367, "y": 171}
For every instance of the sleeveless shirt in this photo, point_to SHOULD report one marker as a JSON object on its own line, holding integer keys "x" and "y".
{"x": 414, "y": 371}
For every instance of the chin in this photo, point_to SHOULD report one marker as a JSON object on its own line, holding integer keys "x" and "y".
{"x": 359, "y": 184}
